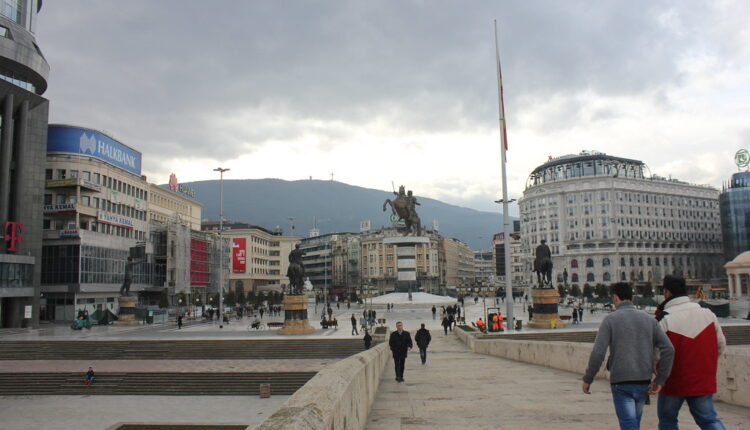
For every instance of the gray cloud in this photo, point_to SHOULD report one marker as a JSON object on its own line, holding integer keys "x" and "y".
{"x": 164, "y": 76}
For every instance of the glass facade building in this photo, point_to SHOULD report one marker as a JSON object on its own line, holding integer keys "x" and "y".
{"x": 23, "y": 140}
{"x": 734, "y": 204}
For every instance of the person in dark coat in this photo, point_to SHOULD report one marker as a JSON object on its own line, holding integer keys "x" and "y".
{"x": 367, "y": 339}
{"x": 434, "y": 311}
{"x": 400, "y": 343}
{"x": 446, "y": 323}
{"x": 423, "y": 339}
{"x": 179, "y": 321}
{"x": 354, "y": 326}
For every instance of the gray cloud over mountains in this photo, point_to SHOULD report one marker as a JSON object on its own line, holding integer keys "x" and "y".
{"x": 217, "y": 81}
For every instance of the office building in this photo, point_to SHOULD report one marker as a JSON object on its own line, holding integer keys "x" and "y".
{"x": 607, "y": 220}
{"x": 23, "y": 140}
{"x": 734, "y": 205}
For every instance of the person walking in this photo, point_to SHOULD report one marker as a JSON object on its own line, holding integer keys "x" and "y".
{"x": 698, "y": 341}
{"x": 423, "y": 339}
{"x": 631, "y": 336}
{"x": 179, "y": 321}
{"x": 434, "y": 311}
{"x": 580, "y": 313}
{"x": 400, "y": 344}
{"x": 261, "y": 312}
{"x": 354, "y": 326}
{"x": 446, "y": 324}
{"x": 330, "y": 312}
{"x": 531, "y": 312}
{"x": 575, "y": 316}
{"x": 363, "y": 323}
{"x": 367, "y": 339}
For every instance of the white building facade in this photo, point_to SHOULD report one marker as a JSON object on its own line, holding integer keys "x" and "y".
{"x": 606, "y": 220}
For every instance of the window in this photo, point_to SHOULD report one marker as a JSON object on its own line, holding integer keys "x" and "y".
{"x": 589, "y": 262}
{"x": 606, "y": 277}
{"x": 86, "y": 175}
{"x": 574, "y": 277}
{"x": 574, "y": 263}
{"x": 48, "y": 174}
{"x": 605, "y": 262}
{"x": 74, "y": 173}
{"x": 590, "y": 277}
{"x": 86, "y": 200}
{"x": 48, "y": 199}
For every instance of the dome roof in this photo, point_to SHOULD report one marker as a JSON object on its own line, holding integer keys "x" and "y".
{"x": 742, "y": 260}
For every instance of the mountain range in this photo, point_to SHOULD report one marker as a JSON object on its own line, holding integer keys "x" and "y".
{"x": 333, "y": 207}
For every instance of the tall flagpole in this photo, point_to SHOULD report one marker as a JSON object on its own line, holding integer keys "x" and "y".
{"x": 506, "y": 219}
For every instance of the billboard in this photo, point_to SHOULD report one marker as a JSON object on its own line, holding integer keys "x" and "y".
{"x": 82, "y": 141}
{"x": 239, "y": 255}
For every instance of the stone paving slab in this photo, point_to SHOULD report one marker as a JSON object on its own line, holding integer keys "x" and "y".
{"x": 162, "y": 366}
{"x": 460, "y": 389}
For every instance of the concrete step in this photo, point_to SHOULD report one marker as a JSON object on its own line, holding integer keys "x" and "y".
{"x": 178, "y": 349}
{"x": 284, "y": 383}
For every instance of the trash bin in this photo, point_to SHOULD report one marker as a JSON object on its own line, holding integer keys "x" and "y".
{"x": 519, "y": 324}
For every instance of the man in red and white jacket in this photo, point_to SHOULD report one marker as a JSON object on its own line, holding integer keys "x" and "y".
{"x": 698, "y": 340}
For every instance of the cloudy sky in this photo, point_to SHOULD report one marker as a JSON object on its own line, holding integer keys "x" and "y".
{"x": 404, "y": 91}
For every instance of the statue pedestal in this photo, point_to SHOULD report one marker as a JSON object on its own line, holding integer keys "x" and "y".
{"x": 295, "y": 316}
{"x": 545, "y": 303}
{"x": 126, "y": 314}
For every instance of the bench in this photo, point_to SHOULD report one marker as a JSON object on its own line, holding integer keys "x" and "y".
{"x": 329, "y": 323}
{"x": 275, "y": 324}
{"x": 565, "y": 317}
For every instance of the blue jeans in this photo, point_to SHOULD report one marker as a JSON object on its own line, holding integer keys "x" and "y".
{"x": 701, "y": 408}
{"x": 423, "y": 355}
{"x": 629, "y": 400}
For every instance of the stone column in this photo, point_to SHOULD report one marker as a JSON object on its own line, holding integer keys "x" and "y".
{"x": 6, "y": 155}
{"x": 22, "y": 174}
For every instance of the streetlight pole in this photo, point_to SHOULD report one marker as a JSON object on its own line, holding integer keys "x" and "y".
{"x": 221, "y": 244}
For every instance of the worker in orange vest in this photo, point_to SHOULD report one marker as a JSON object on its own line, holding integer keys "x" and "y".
{"x": 499, "y": 319}
{"x": 480, "y": 324}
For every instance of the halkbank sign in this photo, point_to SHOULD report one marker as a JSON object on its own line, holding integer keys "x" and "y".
{"x": 83, "y": 141}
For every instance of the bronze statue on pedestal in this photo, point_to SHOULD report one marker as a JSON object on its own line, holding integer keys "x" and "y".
{"x": 543, "y": 265}
{"x": 404, "y": 206}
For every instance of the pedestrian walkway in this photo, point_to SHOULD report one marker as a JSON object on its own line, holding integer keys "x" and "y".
{"x": 460, "y": 389}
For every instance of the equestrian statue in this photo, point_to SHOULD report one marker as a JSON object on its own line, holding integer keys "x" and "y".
{"x": 296, "y": 271}
{"x": 543, "y": 265}
{"x": 404, "y": 207}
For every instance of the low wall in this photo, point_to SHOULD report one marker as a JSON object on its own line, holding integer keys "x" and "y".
{"x": 338, "y": 397}
{"x": 733, "y": 376}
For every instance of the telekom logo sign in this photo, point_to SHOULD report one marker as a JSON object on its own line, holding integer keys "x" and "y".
{"x": 12, "y": 233}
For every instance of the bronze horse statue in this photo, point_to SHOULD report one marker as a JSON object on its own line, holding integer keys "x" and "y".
{"x": 403, "y": 206}
{"x": 296, "y": 271}
{"x": 543, "y": 265}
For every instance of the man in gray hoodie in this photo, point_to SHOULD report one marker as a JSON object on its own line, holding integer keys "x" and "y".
{"x": 631, "y": 336}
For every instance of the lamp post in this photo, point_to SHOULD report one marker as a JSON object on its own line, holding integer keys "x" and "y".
{"x": 221, "y": 244}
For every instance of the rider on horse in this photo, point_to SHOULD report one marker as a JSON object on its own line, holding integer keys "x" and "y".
{"x": 296, "y": 270}
{"x": 543, "y": 264}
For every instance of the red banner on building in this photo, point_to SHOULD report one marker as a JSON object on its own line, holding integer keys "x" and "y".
{"x": 239, "y": 255}
{"x": 199, "y": 262}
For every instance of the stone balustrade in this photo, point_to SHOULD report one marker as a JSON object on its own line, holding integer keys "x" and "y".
{"x": 733, "y": 375}
{"x": 338, "y": 397}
